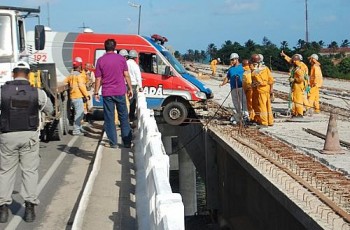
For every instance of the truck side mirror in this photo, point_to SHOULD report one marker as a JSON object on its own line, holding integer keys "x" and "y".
{"x": 39, "y": 37}
{"x": 167, "y": 71}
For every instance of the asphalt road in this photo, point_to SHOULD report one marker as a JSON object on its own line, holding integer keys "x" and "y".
{"x": 64, "y": 169}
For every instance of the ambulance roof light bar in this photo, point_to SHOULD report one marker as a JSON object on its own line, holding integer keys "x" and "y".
{"x": 159, "y": 39}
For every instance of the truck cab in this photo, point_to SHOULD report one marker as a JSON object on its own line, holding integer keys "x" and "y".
{"x": 14, "y": 47}
{"x": 12, "y": 39}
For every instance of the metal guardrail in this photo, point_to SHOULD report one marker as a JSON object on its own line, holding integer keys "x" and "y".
{"x": 157, "y": 207}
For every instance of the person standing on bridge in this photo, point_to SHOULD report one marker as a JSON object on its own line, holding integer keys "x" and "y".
{"x": 235, "y": 77}
{"x": 316, "y": 80}
{"x": 78, "y": 95}
{"x": 111, "y": 73}
{"x": 247, "y": 87}
{"x": 21, "y": 105}
{"x": 136, "y": 81}
{"x": 297, "y": 79}
{"x": 262, "y": 81}
{"x": 213, "y": 65}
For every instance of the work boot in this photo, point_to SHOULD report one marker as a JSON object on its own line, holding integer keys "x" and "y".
{"x": 4, "y": 213}
{"x": 29, "y": 213}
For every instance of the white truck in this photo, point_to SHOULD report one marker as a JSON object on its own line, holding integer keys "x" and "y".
{"x": 14, "y": 48}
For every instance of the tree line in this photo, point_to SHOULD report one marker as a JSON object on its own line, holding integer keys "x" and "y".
{"x": 336, "y": 64}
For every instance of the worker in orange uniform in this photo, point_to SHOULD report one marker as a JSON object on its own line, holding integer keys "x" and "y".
{"x": 78, "y": 94}
{"x": 316, "y": 80}
{"x": 247, "y": 87}
{"x": 262, "y": 81}
{"x": 297, "y": 80}
{"x": 213, "y": 64}
{"x": 90, "y": 82}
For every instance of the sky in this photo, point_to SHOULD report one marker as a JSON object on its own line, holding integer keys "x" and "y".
{"x": 193, "y": 24}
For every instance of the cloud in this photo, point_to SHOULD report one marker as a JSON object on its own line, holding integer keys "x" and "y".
{"x": 237, "y": 6}
{"x": 329, "y": 18}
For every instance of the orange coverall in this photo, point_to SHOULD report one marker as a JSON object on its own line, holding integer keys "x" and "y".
{"x": 213, "y": 64}
{"x": 263, "y": 80}
{"x": 297, "y": 79}
{"x": 247, "y": 87}
{"x": 77, "y": 86}
{"x": 316, "y": 80}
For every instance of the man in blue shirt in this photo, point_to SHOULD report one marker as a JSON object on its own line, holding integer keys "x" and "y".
{"x": 235, "y": 77}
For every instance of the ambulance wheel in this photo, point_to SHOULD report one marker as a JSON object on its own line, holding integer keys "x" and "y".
{"x": 175, "y": 113}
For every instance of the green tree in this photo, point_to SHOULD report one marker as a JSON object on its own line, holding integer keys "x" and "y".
{"x": 284, "y": 45}
{"x": 212, "y": 50}
{"x": 177, "y": 54}
{"x": 345, "y": 43}
{"x": 196, "y": 56}
{"x": 250, "y": 45}
{"x": 203, "y": 56}
{"x": 328, "y": 67}
{"x": 300, "y": 44}
{"x": 321, "y": 43}
{"x": 344, "y": 66}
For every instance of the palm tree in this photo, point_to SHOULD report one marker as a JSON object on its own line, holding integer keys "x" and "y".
{"x": 321, "y": 43}
{"x": 301, "y": 44}
{"x": 284, "y": 45}
{"x": 212, "y": 50}
{"x": 345, "y": 43}
{"x": 227, "y": 43}
{"x": 203, "y": 55}
{"x": 190, "y": 54}
{"x": 250, "y": 45}
{"x": 266, "y": 41}
{"x": 333, "y": 46}
{"x": 177, "y": 54}
{"x": 196, "y": 55}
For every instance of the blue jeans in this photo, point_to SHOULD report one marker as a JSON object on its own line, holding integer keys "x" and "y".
{"x": 78, "y": 106}
{"x": 109, "y": 104}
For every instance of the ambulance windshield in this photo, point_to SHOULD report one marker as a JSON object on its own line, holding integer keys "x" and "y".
{"x": 174, "y": 62}
{"x": 5, "y": 36}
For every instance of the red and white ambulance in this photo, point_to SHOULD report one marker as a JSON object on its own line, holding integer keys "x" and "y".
{"x": 168, "y": 87}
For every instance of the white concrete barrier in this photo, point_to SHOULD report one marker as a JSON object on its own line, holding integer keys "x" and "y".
{"x": 157, "y": 207}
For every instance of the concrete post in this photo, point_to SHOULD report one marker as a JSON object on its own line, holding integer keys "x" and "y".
{"x": 168, "y": 146}
{"x": 187, "y": 182}
{"x": 211, "y": 172}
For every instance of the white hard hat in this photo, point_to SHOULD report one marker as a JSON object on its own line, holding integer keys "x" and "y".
{"x": 133, "y": 54}
{"x": 261, "y": 57}
{"x": 234, "y": 56}
{"x": 22, "y": 65}
{"x": 219, "y": 59}
{"x": 314, "y": 56}
{"x": 123, "y": 52}
{"x": 78, "y": 59}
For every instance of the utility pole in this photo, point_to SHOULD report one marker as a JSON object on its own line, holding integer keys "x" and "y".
{"x": 48, "y": 14}
{"x": 306, "y": 24}
{"x": 139, "y": 7}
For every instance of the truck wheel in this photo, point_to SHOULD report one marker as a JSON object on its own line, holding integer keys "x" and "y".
{"x": 65, "y": 120}
{"x": 175, "y": 113}
{"x": 56, "y": 130}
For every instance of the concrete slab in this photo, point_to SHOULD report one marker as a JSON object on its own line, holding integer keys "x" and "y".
{"x": 292, "y": 132}
{"x": 112, "y": 200}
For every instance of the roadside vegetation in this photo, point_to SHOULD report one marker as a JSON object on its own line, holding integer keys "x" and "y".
{"x": 335, "y": 64}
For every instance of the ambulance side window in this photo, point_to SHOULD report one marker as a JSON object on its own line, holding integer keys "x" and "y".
{"x": 151, "y": 63}
{"x": 100, "y": 53}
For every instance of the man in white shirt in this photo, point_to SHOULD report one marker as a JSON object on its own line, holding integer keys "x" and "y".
{"x": 136, "y": 81}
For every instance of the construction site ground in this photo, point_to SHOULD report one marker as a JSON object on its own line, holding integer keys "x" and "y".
{"x": 287, "y": 147}
{"x": 293, "y": 131}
